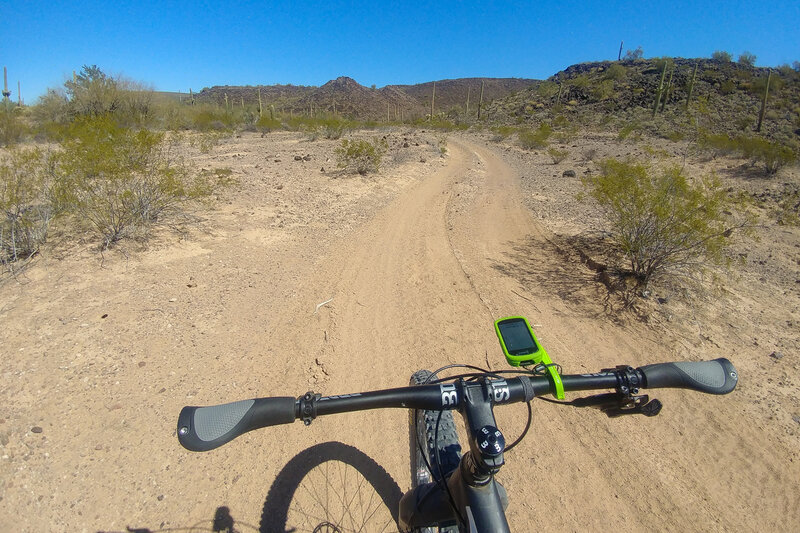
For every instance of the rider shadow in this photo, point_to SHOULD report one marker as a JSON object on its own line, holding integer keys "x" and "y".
{"x": 222, "y": 522}
{"x": 276, "y": 506}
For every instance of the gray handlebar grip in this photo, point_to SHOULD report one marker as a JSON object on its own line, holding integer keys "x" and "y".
{"x": 713, "y": 377}
{"x": 204, "y": 428}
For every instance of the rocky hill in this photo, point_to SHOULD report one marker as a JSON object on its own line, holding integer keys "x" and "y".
{"x": 725, "y": 97}
{"x": 347, "y": 97}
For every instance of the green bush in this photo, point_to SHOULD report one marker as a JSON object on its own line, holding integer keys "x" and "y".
{"x": 615, "y": 72}
{"x": 721, "y": 56}
{"x": 360, "y": 156}
{"x": 119, "y": 180}
{"x": 12, "y": 128}
{"x": 533, "y": 139}
{"x": 747, "y": 59}
{"x": 501, "y": 133}
{"x": 773, "y": 155}
{"x": 662, "y": 223}
{"x": 25, "y": 204}
{"x": 628, "y": 129}
{"x": 557, "y": 155}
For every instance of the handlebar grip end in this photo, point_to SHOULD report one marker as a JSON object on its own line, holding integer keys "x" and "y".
{"x": 204, "y": 428}
{"x": 713, "y": 377}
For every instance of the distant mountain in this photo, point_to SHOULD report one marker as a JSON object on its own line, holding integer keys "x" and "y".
{"x": 348, "y": 98}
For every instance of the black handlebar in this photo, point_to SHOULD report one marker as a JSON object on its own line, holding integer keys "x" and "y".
{"x": 206, "y": 428}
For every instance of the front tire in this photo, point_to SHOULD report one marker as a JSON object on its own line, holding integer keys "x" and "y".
{"x": 422, "y": 429}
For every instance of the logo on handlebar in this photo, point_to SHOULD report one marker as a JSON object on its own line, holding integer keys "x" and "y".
{"x": 500, "y": 391}
{"x": 449, "y": 395}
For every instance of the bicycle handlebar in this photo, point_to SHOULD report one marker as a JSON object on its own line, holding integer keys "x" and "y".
{"x": 206, "y": 428}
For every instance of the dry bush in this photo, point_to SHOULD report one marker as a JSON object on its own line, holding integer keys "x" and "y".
{"x": 25, "y": 204}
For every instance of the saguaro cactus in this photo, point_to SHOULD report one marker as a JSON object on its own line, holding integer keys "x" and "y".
{"x": 260, "y": 111}
{"x": 691, "y": 87}
{"x": 6, "y": 92}
{"x": 619, "y": 57}
{"x": 764, "y": 103}
{"x": 480, "y": 102}
{"x": 668, "y": 90}
{"x": 433, "y": 99}
{"x": 660, "y": 89}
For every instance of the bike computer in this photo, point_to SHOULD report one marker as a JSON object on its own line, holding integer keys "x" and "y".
{"x": 521, "y": 348}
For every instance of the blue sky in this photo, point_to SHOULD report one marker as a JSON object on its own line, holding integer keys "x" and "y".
{"x": 175, "y": 46}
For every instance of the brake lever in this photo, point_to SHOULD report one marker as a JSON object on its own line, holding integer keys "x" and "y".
{"x": 615, "y": 404}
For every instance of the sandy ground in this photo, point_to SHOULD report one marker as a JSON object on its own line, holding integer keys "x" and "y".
{"x": 99, "y": 356}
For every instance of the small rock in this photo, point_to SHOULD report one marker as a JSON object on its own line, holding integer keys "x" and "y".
{"x": 36, "y": 429}
{"x": 277, "y": 160}
{"x": 298, "y": 158}
{"x": 322, "y": 169}
{"x": 796, "y": 418}
{"x": 279, "y": 186}
{"x": 776, "y": 355}
{"x": 173, "y": 299}
{"x": 160, "y": 497}
{"x": 105, "y": 315}
{"x": 568, "y": 174}
{"x": 307, "y": 158}
{"x": 422, "y": 160}
{"x": 141, "y": 364}
{"x": 663, "y": 300}
{"x": 405, "y": 145}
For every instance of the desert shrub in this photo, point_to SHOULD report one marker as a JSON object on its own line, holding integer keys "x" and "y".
{"x": 119, "y": 180}
{"x": 12, "y": 128}
{"x": 94, "y": 93}
{"x": 501, "y": 133}
{"x": 209, "y": 117}
{"x": 727, "y": 87}
{"x": 772, "y": 155}
{"x": 51, "y": 114}
{"x": 661, "y": 222}
{"x": 721, "y": 56}
{"x": 748, "y": 59}
{"x": 628, "y": 129}
{"x": 206, "y": 141}
{"x": 557, "y": 155}
{"x": 603, "y": 90}
{"x": 615, "y": 72}
{"x": 532, "y": 139}
{"x": 266, "y": 123}
{"x": 360, "y": 156}
{"x": 632, "y": 55}
{"x": 25, "y": 204}
{"x": 441, "y": 143}
{"x": 547, "y": 89}
{"x": 581, "y": 82}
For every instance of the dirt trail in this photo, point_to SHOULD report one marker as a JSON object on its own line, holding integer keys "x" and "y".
{"x": 412, "y": 275}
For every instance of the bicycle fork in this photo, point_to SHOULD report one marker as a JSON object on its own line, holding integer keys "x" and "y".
{"x": 472, "y": 498}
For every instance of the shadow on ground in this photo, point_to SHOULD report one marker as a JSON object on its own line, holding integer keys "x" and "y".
{"x": 582, "y": 270}
{"x": 222, "y": 522}
{"x": 282, "y": 491}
